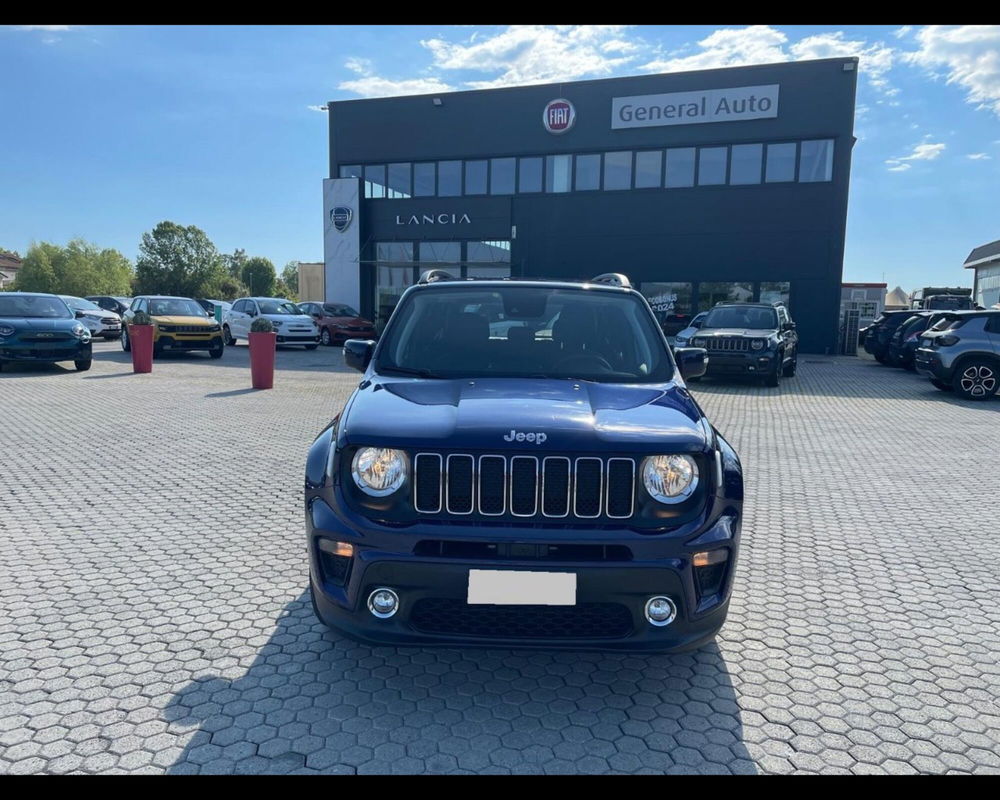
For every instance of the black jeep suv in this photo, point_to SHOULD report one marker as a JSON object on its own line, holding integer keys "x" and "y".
{"x": 522, "y": 464}
{"x": 755, "y": 340}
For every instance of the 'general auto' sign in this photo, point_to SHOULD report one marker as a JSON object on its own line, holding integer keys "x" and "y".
{"x": 688, "y": 108}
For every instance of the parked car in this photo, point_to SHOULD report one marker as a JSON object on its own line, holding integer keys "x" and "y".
{"x": 41, "y": 327}
{"x": 338, "y": 322}
{"x": 179, "y": 323}
{"x": 962, "y": 353}
{"x": 683, "y": 338}
{"x": 291, "y": 325}
{"x": 756, "y": 340}
{"x": 673, "y": 324}
{"x": 881, "y": 330}
{"x": 106, "y": 324}
{"x": 117, "y": 304}
{"x": 629, "y": 502}
{"x": 210, "y": 305}
{"x": 903, "y": 342}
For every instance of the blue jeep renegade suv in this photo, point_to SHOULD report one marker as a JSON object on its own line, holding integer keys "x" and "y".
{"x": 522, "y": 465}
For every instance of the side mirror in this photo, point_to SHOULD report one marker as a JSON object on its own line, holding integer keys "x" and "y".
{"x": 358, "y": 353}
{"x": 692, "y": 361}
{"x": 697, "y": 323}
{"x": 80, "y": 314}
{"x": 789, "y": 326}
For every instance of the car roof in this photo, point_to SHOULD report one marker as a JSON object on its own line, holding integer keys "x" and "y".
{"x": 160, "y": 297}
{"x": 503, "y": 283}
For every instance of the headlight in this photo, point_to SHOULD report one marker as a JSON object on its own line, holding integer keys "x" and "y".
{"x": 6, "y": 330}
{"x": 214, "y": 328}
{"x": 697, "y": 342}
{"x": 276, "y": 323}
{"x": 81, "y": 332}
{"x": 680, "y": 341}
{"x": 758, "y": 344}
{"x": 670, "y": 479}
{"x": 379, "y": 471}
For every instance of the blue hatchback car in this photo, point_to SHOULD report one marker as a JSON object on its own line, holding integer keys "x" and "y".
{"x": 522, "y": 465}
{"x": 41, "y": 327}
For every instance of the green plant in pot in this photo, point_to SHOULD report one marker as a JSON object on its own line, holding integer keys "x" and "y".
{"x": 262, "y": 341}
{"x": 141, "y": 318}
{"x": 261, "y": 325}
{"x": 137, "y": 338}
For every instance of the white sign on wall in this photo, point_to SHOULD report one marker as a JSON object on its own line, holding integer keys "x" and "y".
{"x": 689, "y": 108}
{"x": 341, "y": 242}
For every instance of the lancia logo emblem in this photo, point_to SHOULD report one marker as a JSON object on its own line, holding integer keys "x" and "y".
{"x": 341, "y": 217}
{"x": 559, "y": 116}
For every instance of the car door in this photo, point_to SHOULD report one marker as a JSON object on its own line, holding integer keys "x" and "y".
{"x": 250, "y": 311}
{"x": 992, "y": 328}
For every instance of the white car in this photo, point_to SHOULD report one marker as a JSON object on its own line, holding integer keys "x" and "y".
{"x": 684, "y": 337}
{"x": 99, "y": 321}
{"x": 291, "y": 325}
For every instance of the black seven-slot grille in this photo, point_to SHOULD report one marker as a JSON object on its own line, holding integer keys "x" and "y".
{"x": 726, "y": 343}
{"x": 495, "y": 485}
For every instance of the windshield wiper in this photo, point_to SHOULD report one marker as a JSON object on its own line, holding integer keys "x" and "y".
{"x": 420, "y": 373}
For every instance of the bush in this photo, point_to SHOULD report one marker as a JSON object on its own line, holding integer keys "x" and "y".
{"x": 261, "y": 325}
{"x": 141, "y": 318}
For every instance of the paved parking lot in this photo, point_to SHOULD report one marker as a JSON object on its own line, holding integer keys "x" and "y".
{"x": 153, "y": 613}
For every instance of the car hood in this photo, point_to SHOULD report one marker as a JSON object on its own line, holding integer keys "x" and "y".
{"x": 34, "y": 324}
{"x": 757, "y": 332}
{"x": 183, "y": 320}
{"x": 288, "y": 317}
{"x": 478, "y": 415}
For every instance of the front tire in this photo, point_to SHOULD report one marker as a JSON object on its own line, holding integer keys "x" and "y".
{"x": 977, "y": 379}
{"x": 227, "y": 336}
{"x": 83, "y": 365}
{"x": 774, "y": 378}
{"x": 789, "y": 370}
{"x": 126, "y": 344}
{"x": 216, "y": 352}
{"x": 326, "y": 338}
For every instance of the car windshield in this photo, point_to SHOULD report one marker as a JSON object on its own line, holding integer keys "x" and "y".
{"x": 79, "y": 304}
{"x": 340, "y": 311}
{"x": 751, "y": 317}
{"x": 175, "y": 307}
{"x": 278, "y": 307}
{"x": 525, "y": 332}
{"x": 28, "y": 305}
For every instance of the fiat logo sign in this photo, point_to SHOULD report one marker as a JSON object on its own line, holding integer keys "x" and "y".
{"x": 559, "y": 116}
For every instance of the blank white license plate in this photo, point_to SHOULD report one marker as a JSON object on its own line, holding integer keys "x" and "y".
{"x": 520, "y": 588}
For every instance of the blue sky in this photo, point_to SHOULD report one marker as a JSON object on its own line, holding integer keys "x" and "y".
{"x": 108, "y": 130}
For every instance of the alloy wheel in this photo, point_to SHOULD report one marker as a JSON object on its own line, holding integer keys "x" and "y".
{"x": 979, "y": 381}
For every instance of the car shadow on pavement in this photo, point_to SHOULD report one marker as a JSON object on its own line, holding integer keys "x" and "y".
{"x": 314, "y": 701}
{"x": 31, "y": 369}
{"x": 233, "y": 392}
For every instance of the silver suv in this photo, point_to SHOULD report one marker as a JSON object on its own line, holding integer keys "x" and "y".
{"x": 962, "y": 353}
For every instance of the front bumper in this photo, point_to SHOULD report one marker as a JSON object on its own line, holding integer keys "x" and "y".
{"x": 167, "y": 341}
{"x": 297, "y": 338}
{"x": 74, "y": 350}
{"x": 433, "y": 589}
{"x": 751, "y": 363}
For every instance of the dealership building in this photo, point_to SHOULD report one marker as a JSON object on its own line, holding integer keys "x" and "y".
{"x": 726, "y": 184}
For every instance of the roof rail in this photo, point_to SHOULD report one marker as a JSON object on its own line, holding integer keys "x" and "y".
{"x": 613, "y": 279}
{"x": 433, "y": 275}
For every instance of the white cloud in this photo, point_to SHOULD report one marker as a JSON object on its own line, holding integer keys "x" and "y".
{"x": 375, "y": 86}
{"x": 926, "y": 151}
{"x": 899, "y": 33}
{"x": 50, "y": 28}
{"x": 524, "y": 54}
{"x": 979, "y": 156}
{"x": 968, "y": 55}
{"x": 316, "y": 108}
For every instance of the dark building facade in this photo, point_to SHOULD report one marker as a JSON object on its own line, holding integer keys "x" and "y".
{"x": 725, "y": 184}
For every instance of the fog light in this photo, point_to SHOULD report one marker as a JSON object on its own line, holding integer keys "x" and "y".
{"x": 383, "y": 603}
{"x": 343, "y": 549}
{"x": 709, "y": 557}
{"x": 660, "y": 611}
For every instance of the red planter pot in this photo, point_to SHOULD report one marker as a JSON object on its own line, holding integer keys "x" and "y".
{"x": 140, "y": 339}
{"x": 262, "y": 346}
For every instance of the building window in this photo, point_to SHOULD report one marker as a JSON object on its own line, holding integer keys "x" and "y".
{"x": 648, "y": 169}
{"x": 723, "y": 292}
{"x": 352, "y": 171}
{"x": 557, "y": 173}
{"x": 618, "y": 170}
{"x": 424, "y": 180}
{"x": 440, "y": 252}
{"x": 502, "y": 175}
{"x": 487, "y": 259}
{"x": 449, "y": 178}
{"x": 475, "y": 177}
{"x": 529, "y": 178}
{"x": 375, "y": 180}
{"x": 711, "y": 166}
{"x": 588, "y": 172}
{"x": 816, "y": 161}
{"x": 775, "y": 292}
{"x": 671, "y": 303}
{"x": 746, "y": 163}
{"x": 399, "y": 181}
{"x": 680, "y": 167}
{"x": 780, "y": 162}
{"x": 393, "y": 274}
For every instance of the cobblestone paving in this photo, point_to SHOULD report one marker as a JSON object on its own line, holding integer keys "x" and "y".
{"x": 153, "y": 616}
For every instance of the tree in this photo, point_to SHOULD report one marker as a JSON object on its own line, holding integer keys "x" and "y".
{"x": 80, "y": 268}
{"x": 228, "y": 288}
{"x": 178, "y": 260}
{"x": 234, "y": 263}
{"x": 281, "y": 289}
{"x": 290, "y": 275}
{"x": 258, "y": 276}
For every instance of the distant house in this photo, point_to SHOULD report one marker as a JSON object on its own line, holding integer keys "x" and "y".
{"x": 9, "y": 265}
{"x": 985, "y": 260}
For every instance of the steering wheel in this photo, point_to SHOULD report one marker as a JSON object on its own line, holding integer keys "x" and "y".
{"x": 587, "y": 359}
